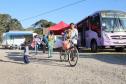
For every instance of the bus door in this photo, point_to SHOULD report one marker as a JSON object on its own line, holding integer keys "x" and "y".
{"x": 87, "y": 32}
{"x": 95, "y": 30}
{"x": 82, "y": 34}
{"x": 80, "y": 30}
{"x": 85, "y": 28}
{"x": 80, "y": 41}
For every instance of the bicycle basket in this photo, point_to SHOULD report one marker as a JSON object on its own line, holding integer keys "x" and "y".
{"x": 66, "y": 45}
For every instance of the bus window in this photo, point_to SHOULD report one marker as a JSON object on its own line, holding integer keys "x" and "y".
{"x": 95, "y": 24}
{"x": 85, "y": 25}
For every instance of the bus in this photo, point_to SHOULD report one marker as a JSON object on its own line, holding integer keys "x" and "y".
{"x": 103, "y": 29}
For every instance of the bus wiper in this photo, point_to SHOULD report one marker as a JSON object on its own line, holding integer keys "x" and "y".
{"x": 121, "y": 24}
{"x": 114, "y": 25}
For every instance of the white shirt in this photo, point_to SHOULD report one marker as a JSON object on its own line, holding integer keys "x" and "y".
{"x": 74, "y": 36}
{"x": 37, "y": 40}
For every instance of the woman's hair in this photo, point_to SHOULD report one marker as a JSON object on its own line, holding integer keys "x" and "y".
{"x": 71, "y": 24}
{"x": 51, "y": 32}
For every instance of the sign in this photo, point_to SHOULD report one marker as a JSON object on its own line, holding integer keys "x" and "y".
{"x": 113, "y": 15}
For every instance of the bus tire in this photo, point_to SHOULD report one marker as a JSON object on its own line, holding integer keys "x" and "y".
{"x": 120, "y": 49}
{"x": 94, "y": 47}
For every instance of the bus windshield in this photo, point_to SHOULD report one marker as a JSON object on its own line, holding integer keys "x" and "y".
{"x": 113, "y": 24}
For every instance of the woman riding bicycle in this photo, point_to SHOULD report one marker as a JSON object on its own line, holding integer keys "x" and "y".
{"x": 69, "y": 51}
{"x": 71, "y": 35}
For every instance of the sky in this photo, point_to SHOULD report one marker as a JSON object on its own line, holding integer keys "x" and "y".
{"x": 22, "y": 9}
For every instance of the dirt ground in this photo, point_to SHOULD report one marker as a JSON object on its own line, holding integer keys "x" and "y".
{"x": 101, "y": 68}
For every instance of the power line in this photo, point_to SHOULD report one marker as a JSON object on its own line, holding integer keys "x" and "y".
{"x": 53, "y": 10}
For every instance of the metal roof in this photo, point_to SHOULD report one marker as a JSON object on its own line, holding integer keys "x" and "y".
{"x": 19, "y": 33}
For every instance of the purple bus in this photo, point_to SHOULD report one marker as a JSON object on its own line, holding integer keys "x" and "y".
{"x": 103, "y": 29}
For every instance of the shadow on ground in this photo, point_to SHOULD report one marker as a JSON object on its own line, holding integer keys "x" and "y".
{"x": 119, "y": 59}
{"x": 10, "y": 62}
{"x": 83, "y": 50}
{"x": 108, "y": 56}
{"x": 17, "y": 57}
{"x": 49, "y": 61}
{"x": 14, "y": 57}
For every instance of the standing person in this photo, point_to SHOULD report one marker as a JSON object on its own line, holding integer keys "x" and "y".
{"x": 36, "y": 46}
{"x": 50, "y": 43}
{"x": 37, "y": 43}
{"x": 26, "y": 53}
{"x": 74, "y": 34}
{"x": 44, "y": 43}
{"x": 45, "y": 39}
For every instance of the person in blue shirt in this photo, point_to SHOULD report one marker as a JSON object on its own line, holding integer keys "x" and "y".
{"x": 45, "y": 39}
{"x": 45, "y": 42}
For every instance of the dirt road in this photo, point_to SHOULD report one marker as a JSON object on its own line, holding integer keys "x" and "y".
{"x": 91, "y": 69}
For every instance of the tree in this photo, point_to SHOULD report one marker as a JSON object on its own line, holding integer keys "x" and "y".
{"x": 38, "y": 31}
{"x": 43, "y": 24}
{"x": 4, "y": 21}
{"x": 15, "y": 25}
{"x": 39, "y": 25}
{"x": 7, "y": 23}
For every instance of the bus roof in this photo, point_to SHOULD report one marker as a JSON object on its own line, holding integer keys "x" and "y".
{"x": 19, "y": 33}
{"x": 110, "y": 11}
{"x": 104, "y": 11}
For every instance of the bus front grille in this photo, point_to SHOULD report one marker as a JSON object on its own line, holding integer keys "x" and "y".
{"x": 118, "y": 37}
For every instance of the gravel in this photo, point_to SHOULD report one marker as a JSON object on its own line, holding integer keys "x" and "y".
{"x": 91, "y": 69}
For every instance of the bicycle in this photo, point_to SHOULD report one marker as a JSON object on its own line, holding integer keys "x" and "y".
{"x": 70, "y": 55}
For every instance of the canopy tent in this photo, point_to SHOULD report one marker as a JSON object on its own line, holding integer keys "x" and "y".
{"x": 58, "y": 28}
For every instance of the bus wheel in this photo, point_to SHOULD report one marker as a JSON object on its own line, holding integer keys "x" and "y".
{"x": 120, "y": 49}
{"x": 94, "y": 47}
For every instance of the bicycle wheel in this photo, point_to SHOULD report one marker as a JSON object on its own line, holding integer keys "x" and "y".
{"x": 63, "y": 55}
{"x": 66, "y": 56}
{"x": 73, "y": 56}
